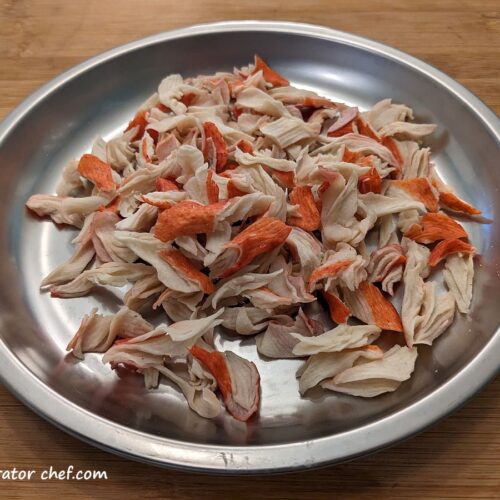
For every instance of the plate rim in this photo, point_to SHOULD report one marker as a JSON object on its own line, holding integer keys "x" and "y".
{"x": 283, "y": 457}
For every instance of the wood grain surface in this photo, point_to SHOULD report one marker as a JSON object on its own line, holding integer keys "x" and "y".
{"x": 457, "y": 458}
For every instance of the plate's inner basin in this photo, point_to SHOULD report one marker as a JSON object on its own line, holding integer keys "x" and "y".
{"x": 99, "y": 102}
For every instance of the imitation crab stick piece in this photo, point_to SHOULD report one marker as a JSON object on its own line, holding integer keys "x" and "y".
{"x": 345, "y": 129}
{"x": 286, "y": 179}
{"x": 213, "y": 138}
{"x": 184, "y": 266}
{"x": 258, "y": 238}
{"x": 112, "y": 206}
{"x": 370, "y": 182}
{"x": 339, "y": 312}
{"x": 373, "y": 308}
{"x": 212, "y": 188}
{"x": 386, "y": 266}
{"x": 343, "y": 125}
{"x": 155, "y": 202}
{"x": 328, "y": 271}
{"x": 391, "y": 145}
{"x": 164, "y": 185}
{"x": 316, "y": 102}
{"x": 452, "y": 202}
{"x": 237, "y": 379}
{"x": 139, "y": 121}
{"x": 435, "y": 227}
{"x": 351, "y": 157}
{"x": 233, "y": 191}
{"x": 188, "y": 98}
{"x": 448, "y": 247}
{"x": 186, "y": 218}
{"x": 97, "y": 172}
{"x": 419, "y": 189}
{"x": 244, "y": 146}
{"x": 309, "y": 218}
{"x": 365, "y": 129}
{"x": 270, "y": 76}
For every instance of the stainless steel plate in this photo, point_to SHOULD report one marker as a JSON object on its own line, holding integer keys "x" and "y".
{"x": 87, "y": 399}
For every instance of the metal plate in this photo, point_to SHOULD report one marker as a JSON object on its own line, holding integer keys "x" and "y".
{"x": 87, "y": 399}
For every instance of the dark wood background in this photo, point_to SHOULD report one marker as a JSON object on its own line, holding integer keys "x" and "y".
{"x": 459, "y": 457}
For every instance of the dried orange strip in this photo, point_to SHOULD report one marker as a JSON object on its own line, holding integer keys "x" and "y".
{"x": 365, "y": 129}
{"x": 309, "y": 218}
{"x": 112, "y": 206}
{"x": 327, "y": 271}
{"x": 212, "y": 188}
{"x": 451, "y": 201}
{"x": 139, "y": 120}
{"x": 383, "y": 312}
{"x": 185, "y": 267}
{"x": 270, "y": 76}
{"x": 339, "y": 312}
{"x": 370, "y": 182}
{"x": 161, "y": 204}
{"x": 420, "y": 189}
{"x": 286, "y": 179}
{"x": 448, "y": 247}
{"x": 216, "y": 364}
{"x": 391, "y": 145}
{"x": 97, "y": 172}
{"x": 165, "y": 185}
{"x": 316, "y": 102}
{"x": 212, "y": 133}
{"x": 346, "y": 129}
{"x": 187, "y": 99}
{"x": 233, "y": 191}
{"x": 351, "y": 157}
{"x": 435, "y": 227}
{"x": 186, "y": 218}
{"x": 258, "y": 238}
{"x": 245, "y": 146}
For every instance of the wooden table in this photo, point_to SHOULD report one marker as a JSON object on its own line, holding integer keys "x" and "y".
{"x": 458, "y": 458}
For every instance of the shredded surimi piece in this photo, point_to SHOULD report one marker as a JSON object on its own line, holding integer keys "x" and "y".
{"x": 241, "y": 201}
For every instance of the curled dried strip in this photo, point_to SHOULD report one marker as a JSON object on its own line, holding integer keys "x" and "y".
{"x": 337, "y": 339}
{"x": 386, "y": 266}
{"x": 164, "y": 185}
{"x": 339, "y": 312}
{"x": 449, "y": 247}
{"x": 97, "y": 333}
{"x": 97, "y": 172}
{"x": 435, "y": 227}
{"x": 214, "y": 137}
{"x": 377, "y": 376}
{"x": 343, "y": 122}
{"x": 212, "y": 188}
{"x": 186, "y": 218}
{"x": 184, "y": 266}
{"x": 139, "y": 123}
{"x": 458, "y": 275}
{"x": 308, "y": 218}
{"x": 451, "y": 201}
{"x": 326, "y": 365}
{"x": 258, "y": 238}
{"x": 328, "y": 270}
{"x": 271, "y": 76}
{"x": 419, "y": 189}
{"x": 370, "y": 182}
{"x": 237, "y": 379}
{"x": 279, "y": 340}
{"x": 369, "y": 305}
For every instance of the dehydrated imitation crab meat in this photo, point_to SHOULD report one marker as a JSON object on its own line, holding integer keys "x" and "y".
{"x": 236, "y": 199}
